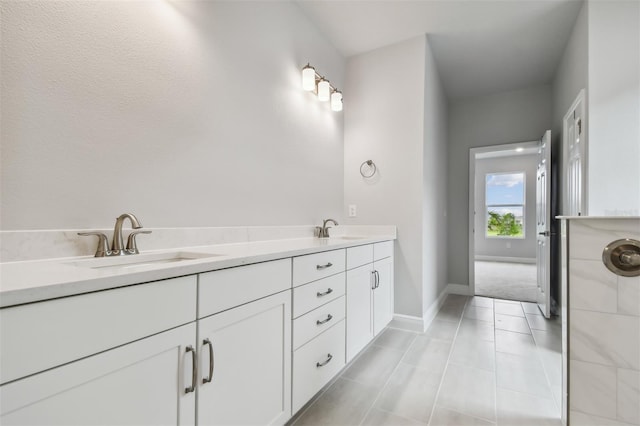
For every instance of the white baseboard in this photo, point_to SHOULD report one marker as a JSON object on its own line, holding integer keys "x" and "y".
{"x": 407, "y": 322}
{"x": 505, "y": 259}
{"x": 460, "y": 289}
{"x": 432, "y": 311}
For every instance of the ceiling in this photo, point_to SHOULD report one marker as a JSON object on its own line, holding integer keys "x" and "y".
{"x": 480, "y": 47}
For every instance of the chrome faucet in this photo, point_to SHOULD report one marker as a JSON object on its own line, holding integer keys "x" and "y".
{"x": 323, "y": 231}
{"x": 116, "y": 247}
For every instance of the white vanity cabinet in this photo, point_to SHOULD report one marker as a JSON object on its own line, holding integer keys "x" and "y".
{"x": 245, "y": 352}
{"x": 120, "y": 356}
{"x": 369, "y": 294}
{"x": 318, "y": 324}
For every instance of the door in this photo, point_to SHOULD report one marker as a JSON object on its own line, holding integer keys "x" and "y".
{"x": 359, "y": 313}
{"x": 575, "y": 159}
{"x": 543, "y": 224}
{"x": 141, "y": 383}
{"x": 382, "y": 294}
{"x": 245, "y": 364}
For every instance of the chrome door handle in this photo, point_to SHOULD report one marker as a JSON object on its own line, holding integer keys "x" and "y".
{"x": 329, "y": 291}
{"x": 328, "y": 265}
{"x": 194, "y": 370}
{"x": 207, "y": 342}
{"x": 324, "y": 321}
{"x": 325, "y": 362}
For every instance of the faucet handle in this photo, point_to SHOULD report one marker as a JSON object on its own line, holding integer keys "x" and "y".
{"x": 132, "y": 247}
{"x": 103, "y": 243}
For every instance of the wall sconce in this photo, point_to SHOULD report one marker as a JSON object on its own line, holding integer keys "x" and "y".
{"x": 314, "y": 82}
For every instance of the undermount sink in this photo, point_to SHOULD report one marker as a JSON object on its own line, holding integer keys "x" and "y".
{"x": 138, "y": 260}
{"x": 350, "y": 237}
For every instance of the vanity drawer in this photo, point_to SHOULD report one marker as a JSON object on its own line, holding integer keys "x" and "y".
{"x": 317, "y": 266}
{"x": 317, "y": 362}
{"x": 360, "y": 255}
{"x": 42, "y": 335}
{"x": 317, "y": 293}
{"x": 382, "y": 250}
{"x": 227, "y": 288}
{"x": 315, "y": 322}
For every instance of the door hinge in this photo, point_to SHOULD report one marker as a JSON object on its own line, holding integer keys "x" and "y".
{"x": 579, "y": 126}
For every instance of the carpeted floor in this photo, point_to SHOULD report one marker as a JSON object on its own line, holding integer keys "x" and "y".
{"x": 503, "y": 280}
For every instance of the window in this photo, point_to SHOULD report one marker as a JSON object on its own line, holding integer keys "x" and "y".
{"x": 504, "y": 199}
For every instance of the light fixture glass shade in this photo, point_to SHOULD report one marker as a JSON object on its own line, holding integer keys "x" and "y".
{"x": 336, "y": 100}
{"x": 324, "y": 90}
{"x": 309, "y": 78}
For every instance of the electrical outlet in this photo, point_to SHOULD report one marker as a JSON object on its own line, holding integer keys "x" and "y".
{"x": 352, "y": 210}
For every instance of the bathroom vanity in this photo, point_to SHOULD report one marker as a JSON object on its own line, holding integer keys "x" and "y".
{"x": 215, "y": 339}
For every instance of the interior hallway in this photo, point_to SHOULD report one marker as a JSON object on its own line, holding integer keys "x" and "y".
{"x": 481, "y": 362}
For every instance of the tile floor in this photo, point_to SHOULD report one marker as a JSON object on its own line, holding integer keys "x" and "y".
{"x": 481, "y": 362}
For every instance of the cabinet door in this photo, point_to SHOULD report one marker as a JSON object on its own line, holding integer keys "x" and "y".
{"x": 359, "y": 312}
{"x": 383, "y": 294}
{"x": 249, "y": 357}
{"x": 142, "y": 383}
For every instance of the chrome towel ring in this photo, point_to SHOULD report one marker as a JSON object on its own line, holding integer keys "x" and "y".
{"x": 368, "y": 169}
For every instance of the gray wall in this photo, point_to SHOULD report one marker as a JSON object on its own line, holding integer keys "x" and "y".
{"x": 515, "y": 116}
{"x": 186, "y": 113}
{"x": 507, "y": 247}
{"x": 396, "y": 115}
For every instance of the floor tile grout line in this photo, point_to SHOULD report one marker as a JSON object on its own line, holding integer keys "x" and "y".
{"x": 446, "y": 366}
{"x": 382, "y": 389}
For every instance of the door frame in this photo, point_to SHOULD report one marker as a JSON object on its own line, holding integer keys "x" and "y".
{"x": 585, "y": 154}
{"x": 472, "y": 198}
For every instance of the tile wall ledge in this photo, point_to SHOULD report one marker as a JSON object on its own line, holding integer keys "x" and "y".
{"x": 57, "y": 243}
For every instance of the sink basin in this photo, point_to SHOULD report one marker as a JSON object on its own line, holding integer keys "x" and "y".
{"x": 138, "y": 260}
{"x": 349, "y": 237}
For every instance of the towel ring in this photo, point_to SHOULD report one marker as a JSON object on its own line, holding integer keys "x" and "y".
{"x": 371, "y": 169}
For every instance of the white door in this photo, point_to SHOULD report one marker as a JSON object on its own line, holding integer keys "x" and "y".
{"x": 245, "y": 364}
{"x": 382, "y": 294}
{"x": 543, "y": 224}
{"x": 575, "y": 159}
{"x": 360, "y": 282}
{"x": 142, "y": 383}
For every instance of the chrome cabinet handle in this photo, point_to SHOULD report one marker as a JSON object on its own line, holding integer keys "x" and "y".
{"x": 328, "y": 265}
{"x": 329, "y": 291}
{"x": 373, "y": 286}
{"x": 194, "y": 369}
{"x": 377, "y": 279}
{"x": 324, "y": 321}
{"x": 207, "y": 342}
{"x": 323, "y": 363}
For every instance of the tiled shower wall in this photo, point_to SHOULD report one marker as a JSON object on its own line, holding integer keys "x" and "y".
{"x": 603, "y": 326}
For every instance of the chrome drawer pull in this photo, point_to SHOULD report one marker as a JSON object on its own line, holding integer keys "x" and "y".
{"x": 194, "y": 372}
{"x": 320, "y": 267}
{"x": 322, "y": 364}
{"x": 329, "y": 291}
{"x": 324, "y": 321}
{"x": 207, "y": 342}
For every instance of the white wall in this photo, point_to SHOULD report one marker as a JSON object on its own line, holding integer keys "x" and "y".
{"x": 614, "y": 108}
{"x": 185, "y": 113}
{"x": 384, "y": 123}
{"x": 516, "y": 116}
{"x": 506, "y": 247}
{"x": 434, "y": 199}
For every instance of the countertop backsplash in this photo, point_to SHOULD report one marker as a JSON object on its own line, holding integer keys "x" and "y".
{"x": 59, "y": 243}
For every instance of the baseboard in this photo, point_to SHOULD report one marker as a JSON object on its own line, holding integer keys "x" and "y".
{"x": 432, "y": 311}
{"x": 407, "y": 322}
{"x": 505, "y": 259}
{"x": 460, "y": 289}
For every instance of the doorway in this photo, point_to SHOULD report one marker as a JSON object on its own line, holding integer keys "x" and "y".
{"x": 502, "y": 200}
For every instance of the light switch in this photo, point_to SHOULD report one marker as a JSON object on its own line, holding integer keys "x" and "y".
{"x": 352, "y": 210}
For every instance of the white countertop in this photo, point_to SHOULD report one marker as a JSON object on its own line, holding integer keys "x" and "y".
{"x": 31, "y": 281}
